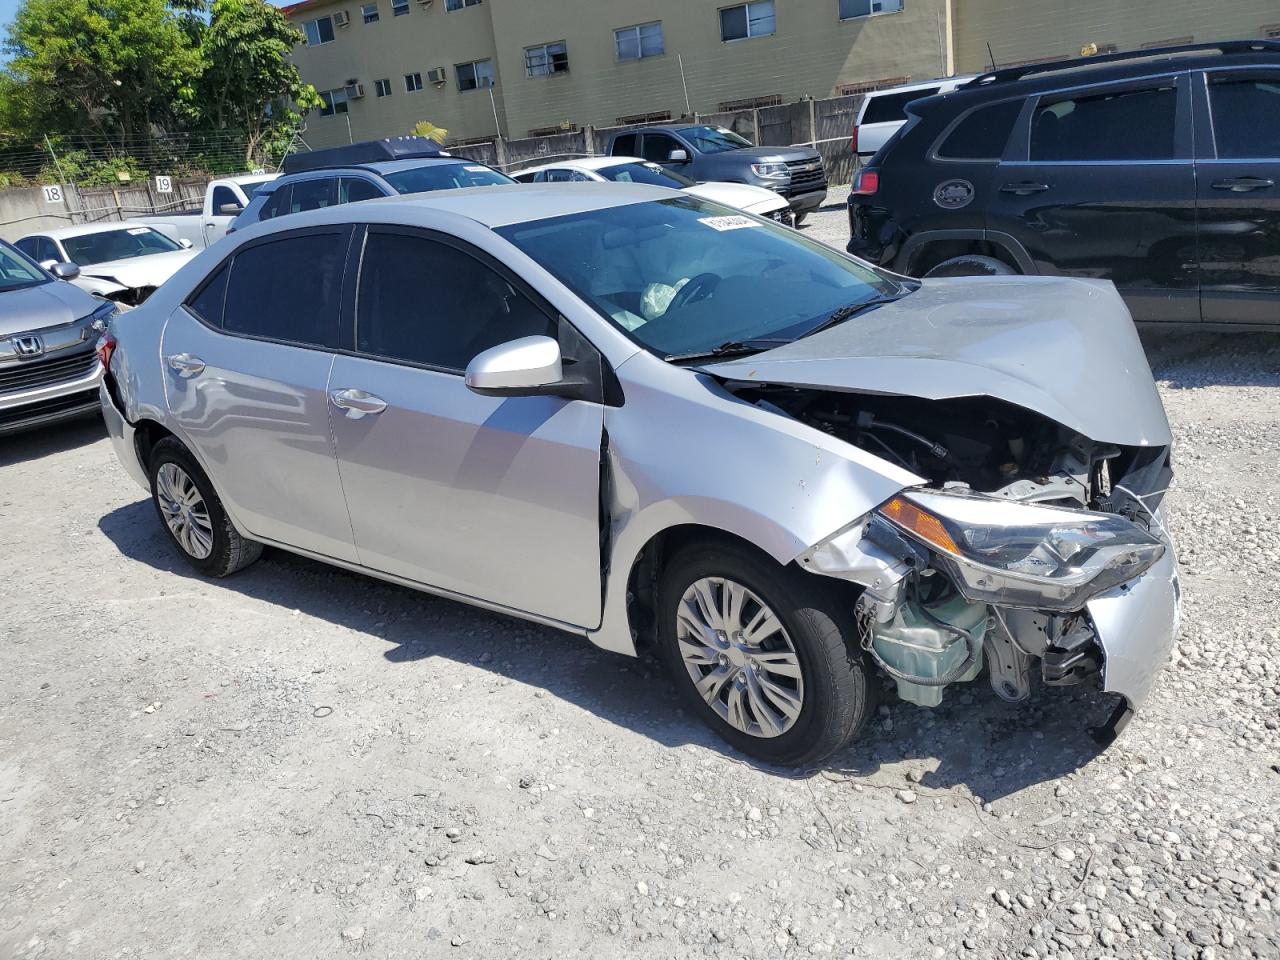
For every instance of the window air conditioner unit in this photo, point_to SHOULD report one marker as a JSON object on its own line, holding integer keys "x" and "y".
{"x": 436, "y": 75}
{"x": 355, "y": 91}
{"x": 341, "y": 18}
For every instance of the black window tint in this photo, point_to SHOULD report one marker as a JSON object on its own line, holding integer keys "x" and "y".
{"x": 1127, "y": 125}
{"x": 277, "y": 204}
{"x": 892, "y": 107}
{"x": 657, "y": 147}
{"x": 624, "y": 145}
{"x": 207, "y": 303}
{"x": 28, "y": 246}
{"x": 288, "y": 289}
{"x": 559, "y": 176}
{"x": 313, "y": 194}
{"x": 355, "y": 189}
{"x": 1246, "y": 117}
{"x": 426, "y": 302}
{"x": 47, "y": 249}
{"x": 983, "y": 134}
{"x": 221, "y": 197}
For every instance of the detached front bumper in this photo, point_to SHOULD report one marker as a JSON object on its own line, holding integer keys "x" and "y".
{"x": 1136, "y": 624}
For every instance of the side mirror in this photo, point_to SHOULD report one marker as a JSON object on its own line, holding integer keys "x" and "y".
{"x": 517, "y": 368}
{"x": 678, "y": 156}
{"x": 185, "y": 244}
{"x": 230, "y": 209}
{"x": 65, "y": 271}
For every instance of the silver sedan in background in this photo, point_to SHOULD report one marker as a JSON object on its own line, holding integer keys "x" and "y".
{"x": 662, "y": 424}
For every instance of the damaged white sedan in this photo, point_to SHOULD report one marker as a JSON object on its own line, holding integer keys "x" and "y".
{"x": 662, "y": 424}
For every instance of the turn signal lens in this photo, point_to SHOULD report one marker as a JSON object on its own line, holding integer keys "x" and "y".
{"x": 924, "y": 525}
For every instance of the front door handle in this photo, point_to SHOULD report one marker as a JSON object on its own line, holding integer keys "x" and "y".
{"x": 184, "y": 364}
{"x": 1026, "y": 188}
{"x": 356, "y": 403}
{"x": 1244, "y": 184}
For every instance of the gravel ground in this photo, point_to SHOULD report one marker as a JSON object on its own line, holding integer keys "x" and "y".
{"x": 300, "y": 762}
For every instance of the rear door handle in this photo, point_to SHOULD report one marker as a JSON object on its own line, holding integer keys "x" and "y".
{"x": 356, "y": 403}
{"x": 1024, "y": 189}
{"x": 185, "y": 364}
{"x": 1244, "y": 184}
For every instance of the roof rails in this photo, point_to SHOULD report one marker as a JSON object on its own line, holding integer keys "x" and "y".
{"x": 1226, "y": 47}
{"x": 368, "y": 151}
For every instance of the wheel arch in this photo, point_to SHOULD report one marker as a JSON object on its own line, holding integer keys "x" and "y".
{"x": 923, "y": 251}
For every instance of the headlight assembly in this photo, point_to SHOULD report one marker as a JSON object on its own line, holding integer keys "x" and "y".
{"x": 771, "y": 171}
{"x": 1025, "y": 555}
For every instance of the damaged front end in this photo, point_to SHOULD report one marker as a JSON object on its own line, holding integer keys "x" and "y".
{"x": 1031, "y": 548}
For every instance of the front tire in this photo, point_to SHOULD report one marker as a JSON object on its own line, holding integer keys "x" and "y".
{"x": 193, "y": 516}
{"x": 763, "y": 654}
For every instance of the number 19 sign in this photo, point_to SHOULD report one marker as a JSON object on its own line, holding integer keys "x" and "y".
{"x": 164, "y": 184}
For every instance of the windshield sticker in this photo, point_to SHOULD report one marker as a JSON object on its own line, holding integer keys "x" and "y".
{"x": 728, "y": 223}
{"x": 475, "y": 169}
{"x": 134, "y": 231}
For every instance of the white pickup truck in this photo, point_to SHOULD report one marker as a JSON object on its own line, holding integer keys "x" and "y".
{"x": 223, "y": 201}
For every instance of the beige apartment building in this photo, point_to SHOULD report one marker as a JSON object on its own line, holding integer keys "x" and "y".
{"x": 527, "y": 67}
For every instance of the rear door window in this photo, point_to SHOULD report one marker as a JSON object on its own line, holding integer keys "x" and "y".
{"x": 288, "y": 289}
{"x": 313, "y": 194}
{"x": 277, "y": 204}
{"x": 982, "y": 135}
{"x": 624, "y": 145}
{"x": 209, "y": 298}
{"x": 892, "y": 107}
{"x": 1127, "y": 124}
{"x": 1246, "y": 115}
{"x": 355, "y": 189}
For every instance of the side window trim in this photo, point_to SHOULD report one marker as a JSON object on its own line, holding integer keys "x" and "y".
{"x": 1209, "y": 142}
{"x": 1015, "y": 131}
{"x": 1019, "y": 151}
{"x": 223, "y": 264}
{"x": 519, "y": 285}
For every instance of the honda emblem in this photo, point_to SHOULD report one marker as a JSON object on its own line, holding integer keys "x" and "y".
{"x": 28, "y": 346}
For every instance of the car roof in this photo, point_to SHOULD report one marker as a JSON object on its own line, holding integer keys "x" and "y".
{"x": 379, "y": 168}
{"x": 583, "y": 163}
{"x": 59, "y": 233}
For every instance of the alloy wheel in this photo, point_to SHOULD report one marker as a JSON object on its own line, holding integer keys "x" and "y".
{"x": 184, "y": 510}
{"x": 739, "y": 656}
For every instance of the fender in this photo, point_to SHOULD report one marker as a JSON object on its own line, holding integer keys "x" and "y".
{"x": 917, "y": 241}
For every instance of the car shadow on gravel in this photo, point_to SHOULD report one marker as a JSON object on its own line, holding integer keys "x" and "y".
{"x": 1183, "y": 361}
{"x": 44, "y": 441}
{"x": 973, "y": 739}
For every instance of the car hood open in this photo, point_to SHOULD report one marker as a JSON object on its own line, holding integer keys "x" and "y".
{"x": 1064, "y": 348}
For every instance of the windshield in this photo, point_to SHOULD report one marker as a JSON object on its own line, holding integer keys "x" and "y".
{"x": 684, "y": 276}
{"x": 445, "y": 176}
{"x": 641, "y": 172}
{"x": 90, "y": 248}
{"x": 16, "y": 271}
{"x": 714, "y": 139}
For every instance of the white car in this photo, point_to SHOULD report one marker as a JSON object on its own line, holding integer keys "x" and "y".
{"x": 123, "y": 262}
{"x": 742, "y": 196}
{"x": 883, "y": 112}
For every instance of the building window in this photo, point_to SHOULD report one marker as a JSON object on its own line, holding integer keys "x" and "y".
{"x": 333, "y": 101}
{"x": 852, "y": 9}
{"x": 747, "y": 20}
{"x": 459, "y": 4}
{"x": 554, "y": 131}
{"x": 472, "y": 76}
{"x": 751, "y": 103}
{"x": 382, "y": 88}
{"x": 370, "y": 12}
{"x": 1171, "y": 42}
{"x": 412, "y": 82}
{"x": 638, "y": 42}
{"x": 1271, "y": 31}
{"x": 866, "y": 86}
{"x": 546, "y": 59}
{"x": 636, "y": 118}
{"x": 318, "y": 31}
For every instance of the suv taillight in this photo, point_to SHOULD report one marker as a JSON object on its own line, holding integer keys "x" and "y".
{"x": 853, "y": 141}
{"x": 866, "y": 183}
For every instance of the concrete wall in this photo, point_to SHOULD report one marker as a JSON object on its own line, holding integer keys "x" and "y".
{"x": 1020, "y": 30}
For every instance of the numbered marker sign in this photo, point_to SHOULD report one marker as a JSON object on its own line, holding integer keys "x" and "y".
{"x": 164, "y": 184}
{"x": 52, "y": 193}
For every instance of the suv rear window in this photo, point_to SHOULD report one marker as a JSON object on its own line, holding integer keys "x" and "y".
{"x": 891, "y": 107}
{"x": 982, "y": 135}
{"x": 1123, "y": 125}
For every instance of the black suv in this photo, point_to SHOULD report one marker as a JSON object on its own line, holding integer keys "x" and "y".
{"x": 1157, "y": 170}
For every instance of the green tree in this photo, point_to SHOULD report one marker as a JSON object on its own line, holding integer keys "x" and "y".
{"x": 247, "y": 81}
{"x": 110, "y": 67}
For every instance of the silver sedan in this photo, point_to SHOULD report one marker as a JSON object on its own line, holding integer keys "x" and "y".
{"x": 666, "y": 425}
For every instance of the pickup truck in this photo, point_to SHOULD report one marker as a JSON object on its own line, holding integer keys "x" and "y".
{"x": 705, "y": 154}
{"x": 223, "y": 201}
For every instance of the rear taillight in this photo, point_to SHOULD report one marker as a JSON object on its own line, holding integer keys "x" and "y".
{"x": 866, "y": 183}
{"x": 853, "y": 140}
{"x": 106, "y": 346}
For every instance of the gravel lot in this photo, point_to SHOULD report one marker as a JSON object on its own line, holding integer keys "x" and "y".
{"x": 299, "y": 762}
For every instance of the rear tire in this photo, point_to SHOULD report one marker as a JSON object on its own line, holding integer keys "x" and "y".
{"x": 971, "y": 265}
{"x": 790, "y": 696}
{"x": 193, "y": 516}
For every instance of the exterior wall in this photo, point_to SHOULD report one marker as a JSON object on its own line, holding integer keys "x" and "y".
{"x": 1020, "y": 30}
{"x": 427, "y": 36}
{"x": 812, "y": 53}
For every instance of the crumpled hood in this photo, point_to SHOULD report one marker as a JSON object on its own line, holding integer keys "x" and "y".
{"x": 44, "y": 305}
{"x": 741, "y": 196}
{"x": 1064, "y": 348}
{"x": 146, "y": 271}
